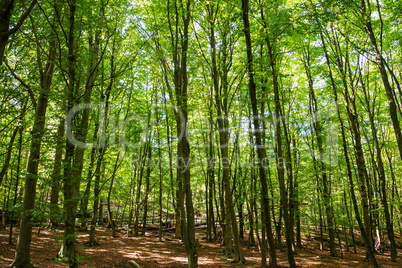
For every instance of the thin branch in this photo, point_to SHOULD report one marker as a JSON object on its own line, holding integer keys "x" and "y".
{"x": 31, "y": 94}
{"x": 22, "y": 19}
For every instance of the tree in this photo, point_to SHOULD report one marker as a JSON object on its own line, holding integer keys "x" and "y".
{"x": 260, "y": 149}
{"x": 22, "y": 255}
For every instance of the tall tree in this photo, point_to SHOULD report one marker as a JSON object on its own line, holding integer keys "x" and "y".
{"x": 179, "y": 33}
{"x": 261, "y": 153}
{"x": 318, "y": 130}
{"x": 22, "y": 255}
{"x": 221, "y": 104}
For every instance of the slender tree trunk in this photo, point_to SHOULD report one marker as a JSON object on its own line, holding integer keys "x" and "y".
{"x": 210, "y": 182}
{"x": 297, "y": 202}
{"x": 382, "y": 177}
{"x": 8, "y": 155}
{"x": 175, "y": 205}
{"x": 131, "y": 203}
{"x": 366, "y": 15}
{"x": 70, "y": 187}
{"x": 260, "y": 150}
{"x": 290, "y": 182}
{"x": 56, "y": 176}
{"x": 241, "y": 220}
{"x": 94, "y": 220}
{"x": 362, "y": 173}
{"x": 5, "y": 202}
{"x": 180, "y": 42}
{"x": 22, "y": 255}
{"x": 20, "y": 130}
{"x": 160, "y": 178}
{"x": 251, "y": 237}
{"x": 320, "y": 220}
{"x": 92, "y": 74}
{"x": 395, "y": 122}
{"x": 139, "y": 185}
{"x": 366, "y": 233}
{"x": 145, "y": 201}
{"x": 281, "y": 159}
{"x": 184, "y": 149}
{"x": 318, "y": 133}
{"x": 221, "y": 108}
{"x": 112, "y": 222}
{"x": 100, "y": 210}
{"x": 74, "y": 161}
{"x": 87, "y": 192}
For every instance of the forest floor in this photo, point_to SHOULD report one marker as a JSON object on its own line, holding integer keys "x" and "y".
{"x": 148, "y": 252}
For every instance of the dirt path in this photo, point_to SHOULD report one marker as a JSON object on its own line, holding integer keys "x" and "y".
{"x": 148, "y": 252}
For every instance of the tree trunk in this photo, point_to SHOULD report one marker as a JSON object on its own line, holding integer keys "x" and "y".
{"x": 112, "y": 222}
{"x": 20, "y": 130}
{"x": 131, "y": 201}
{"x": 160, "y": 180}
{"x": 100, "y": 212}
{"x": 139, "y": 185}
{"x": 94, "y": 220}
{"x": 281, "y": 159}
{"x": 145, "y": 201}
{"x": 382, "y": 177}
{"x": 8, "y": 155}
{"x": 87, "y": 192}
{"x": 180, "y": 42}
{"x": 366, "y": 233}
{"x": 260, "y": 150}
{"x": 297, "y": 205}
{"x": 366, "y": 15}
{"x": 221, "y": 108}
{"x": 326, "y": 191}
{"x": 362, "y": 173}
{"x": 210, "y": 183}
{"x": 22, "y": 255}
{"x": 92, "y": 73}
{"x": 56, "y": 176}
{"x": 395, "y": 123}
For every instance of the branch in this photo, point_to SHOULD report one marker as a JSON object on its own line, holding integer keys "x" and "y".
{"x": 31, "y": 94}
{"x": 22, "y": 19}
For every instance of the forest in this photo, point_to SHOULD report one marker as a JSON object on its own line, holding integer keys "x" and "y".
{"x": 209, "y": 133}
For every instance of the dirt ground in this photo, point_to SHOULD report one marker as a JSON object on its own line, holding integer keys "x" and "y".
{"x": 148, "y": 252}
